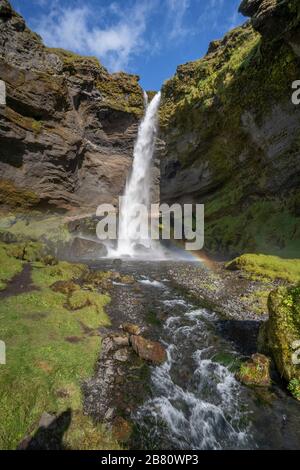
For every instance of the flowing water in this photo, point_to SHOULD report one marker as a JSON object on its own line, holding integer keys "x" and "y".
{"x": 194, "y": 401}
{"x": 137, "y": 191}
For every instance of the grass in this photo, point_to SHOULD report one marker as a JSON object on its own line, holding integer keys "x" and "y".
{"x": 50, "y": 350}
{"x": 9, "y": 267}
{"x": 268, "y": 267}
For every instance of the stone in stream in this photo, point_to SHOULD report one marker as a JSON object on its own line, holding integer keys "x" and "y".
{"x": 131, "y": 328}
{"x": 121, "y": 340}
{"x": 148, "y": 350}
{"x": 255, "y": 371}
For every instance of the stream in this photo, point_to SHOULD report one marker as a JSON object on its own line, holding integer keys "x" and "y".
{"x": 194, "y": 401}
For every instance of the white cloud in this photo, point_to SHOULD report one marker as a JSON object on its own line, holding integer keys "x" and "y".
{"x": 176, "y": 14}
{"x": 77, "y": 29}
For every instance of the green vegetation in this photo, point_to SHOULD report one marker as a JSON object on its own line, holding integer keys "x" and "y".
{"x": 51, "y": 348}
{"x": 52, "y": 229}
{"x": 229, "y": 360}
{"x": 73, "y": 62}
{"x": 256, "y": 371}
{"x": 294, "y": 388}
{"x": 211, "y": 114}
{"x": 122, "y": 92}
{"x": 16, "y": 198}
{"x": 258, "y": 300}
{"x": 9, "y": 267}
{"x": 267, "y": 267}
{"x": 279, "y": 334}
{"x": 27, "y": 123}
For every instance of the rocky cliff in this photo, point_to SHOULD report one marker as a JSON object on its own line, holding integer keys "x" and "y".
{"x": 233, "y": 135}
{"x": 68, "y": 129}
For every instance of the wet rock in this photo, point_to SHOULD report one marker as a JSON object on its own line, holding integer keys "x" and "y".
{"x": 256, "y": 371}
{"x": 84, "y": 248}
{"x": 122, "y": 429}
{"x": 121, "y": 355}
{"x": 121, "y": 340}
{"x": 109, "y": 414}
{"x": 131, "y": 328}
{"x": 148, "y": 350}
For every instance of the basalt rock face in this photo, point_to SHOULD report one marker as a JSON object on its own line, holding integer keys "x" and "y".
{"x": 68, "y": 128}
{"x": 232, "y": 134}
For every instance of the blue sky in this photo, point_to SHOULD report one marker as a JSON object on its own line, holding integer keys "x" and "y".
{"x": 146, "y": 37}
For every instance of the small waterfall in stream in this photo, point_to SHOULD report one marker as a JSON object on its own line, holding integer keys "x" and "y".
{"x": 137, "y": 191}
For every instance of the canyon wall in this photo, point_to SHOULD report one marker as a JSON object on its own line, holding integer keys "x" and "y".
{"x": 68, "y": 128}
{"x": 233, "y": 135}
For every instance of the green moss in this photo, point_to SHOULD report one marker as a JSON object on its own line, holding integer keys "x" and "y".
{"x": 27, "y": 123}
{"x": 46, "y": 276}
{"x": 282, "y": 330}
{"x": 122, "y": 92}
{"x": 72, "y": 60}
{"x": 232, "y": 362}
{"x": 294, "y": 388}
{"x": 258, "y": 300}
{"x": 9, "y": 266}
{"x": 228, "y": 213}
{"x": 152, "y": 318}
{"x": 45, "y": 367}
{"x": 16, "y": 198}
{"x": 203, "y": 112}
{"x": 256, "y": 371}
{"x": 27, "y": 251}
{"x": 52, "y": 229}
{"x": 269, "y": 267}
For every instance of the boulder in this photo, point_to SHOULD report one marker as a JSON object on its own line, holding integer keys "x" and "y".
{"x": 131, "y": 328}
{"x": 148, "y": 350}
{"x": 84, "y": 248}
{"x": 256, "y": 371}
{"x": 280, "y": 335}
{"x": 121, "y": 340}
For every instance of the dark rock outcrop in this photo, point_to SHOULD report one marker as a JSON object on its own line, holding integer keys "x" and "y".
{"x": 232, "y": 134}
{"x": 68, "y": 129}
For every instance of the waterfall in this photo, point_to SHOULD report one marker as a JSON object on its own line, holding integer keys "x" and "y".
{"x": 137, "y": 190}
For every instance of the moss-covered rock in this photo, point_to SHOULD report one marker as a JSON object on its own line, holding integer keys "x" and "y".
{"x": 267, "y": 267}
{"x": 256, "y": 371}
{"x": 15, "y": 197}
{"x": 281, "y": 334}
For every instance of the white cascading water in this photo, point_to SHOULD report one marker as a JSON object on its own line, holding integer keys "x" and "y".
{"x": 137, "y": 189}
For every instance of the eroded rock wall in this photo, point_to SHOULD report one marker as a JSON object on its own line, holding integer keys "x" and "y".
{"x": 68, "y": 129}
{"x": 233, "y": 135}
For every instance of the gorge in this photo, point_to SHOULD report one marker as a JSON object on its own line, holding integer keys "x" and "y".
{"x": 128, "y": 348}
